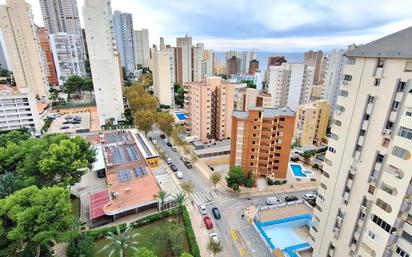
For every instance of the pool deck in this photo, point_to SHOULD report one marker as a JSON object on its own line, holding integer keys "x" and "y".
{"x": 284, "y": 212}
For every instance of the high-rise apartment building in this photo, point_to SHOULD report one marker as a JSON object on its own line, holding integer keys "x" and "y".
{"x": 290, "y": 84}
{"x": 365, "y": 195}
{"x": 233, "y": 66}
{"x": 123, "y": 27}
{"x": 23, "y": 48}
{"x": 314, "y": 58}
{"x": 251, "y": 97}
{"x": 47, "y": 55}
{"x": 183, "y": 59}
{"x": 197, "y": 60}
{"x": 207, "y": 63}
{"x": 209, "y": 106}
{"x": 253, "y": 67}
{"x": 162, "y": 46}
{"x": 104, "y": 60}
{"x": 312, "y": 122}
{"x": 68, "y": 56}
{"x": 171, "y": 55}
{"x": 162, "y": 83}
{"x": 141, "y": 46}
{"x": 256, "y": 78}
{"x": 276, "y": 61}
{"x": 219, "y": 67}
{"x": 246, "y": 57}
{"x": 261, "y": 140}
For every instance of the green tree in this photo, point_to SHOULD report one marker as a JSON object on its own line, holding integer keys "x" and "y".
{"x": 176, "y": 131}
{"x": 180, "y": 199}
{"x": 194, "y": 157}
{"x": 73, "y": 84}
{"x": 307, "y": 155}
{"x": 169, "y": 235}
{"x": 214, "y": 247}
{"x": 249, "y": 83}
{"x": 81, "y": 246}
{"x": 144, "y": 120}
{"x": 165, "y": 121}
{"x": 87, "y": 84}
{"x": 235, "y": 178}
{"x": 34, "y": 219}
{"x": 162, "y": 197}
{"x": 144, "y": 252}
{"x": 249, "y": 181}
{"x": 14, "y": 136}
{"x": 296, "y": 143}
{"x": 186, "y": 255}
{"x": 215, "y": 178}
{"x": 7, "y": 184}
{"x": 187, "y": 187}
{"x": 4, "y": 73}
{"x": 120, "y": 242}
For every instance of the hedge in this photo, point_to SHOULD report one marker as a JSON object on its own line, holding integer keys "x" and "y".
{"x": 194, "y": 248}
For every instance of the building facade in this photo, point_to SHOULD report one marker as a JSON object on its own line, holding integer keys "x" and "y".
{"x": 312, "y": 122}
{"x": 162, "y": 83}
{"x": 365, "y": 195}
{"x": 123, "y": 27}
{"x": 209, "y": 106}
{"x": 141, "y": 47}
{"x": 290, "y": 84}
{"x": 47, "y": 55}
{"x": 246, "y": 57}
{"x": 276, "y": 61}
{"x": 68, "y": 56}
{"x": 253, "y": 67}
{"x": 256, "y": 78}
{"x": 23, "y": 48}
{"x": 251, "y": 97}
{"x": 314, "y": 58}
{"x": 183, "y": 59}
{"x": 261, "y": 140}
{"x": 104, "y": 61}
{"x": 233, "y": 66}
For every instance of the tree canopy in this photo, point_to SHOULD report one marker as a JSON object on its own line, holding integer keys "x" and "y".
{"x": 165, "y": 121}
{"x": 144, "y": 252}
{"x": 32, "y": 219}
{"x": 236, "y": 178}
{"x": 77, "y": 84}
{"x": 14, "y": 136}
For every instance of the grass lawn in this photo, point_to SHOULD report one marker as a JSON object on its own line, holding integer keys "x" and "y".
{"x": 144, "y": 240}
{"x": 76, "y": 207}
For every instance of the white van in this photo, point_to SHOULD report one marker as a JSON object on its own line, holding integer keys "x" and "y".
{"x": 272, "y": 200}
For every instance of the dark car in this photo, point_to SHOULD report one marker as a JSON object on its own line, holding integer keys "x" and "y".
{"x": 216, "y": 213}
{"x": 77, "y": 118}
{"x": 68, "y": 122}
{"x": 173, "y": 167}
{"x": 188, "y": 165}
{"x": 162, "y": 136}
{"x": 291, "y": 198}
{"x": 208, "y": 222}
{"x": 169, "y": 144}
{"x": 101, "y": 174}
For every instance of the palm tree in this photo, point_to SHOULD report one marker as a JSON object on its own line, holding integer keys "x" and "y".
{"x": 215, "y": 178}
{"x": 180, "y": 199}
{"x": 120, "y": 242}
{"x": 187, "y": 187}
{"x": 162, "y": 196}
{"x": 214, "y": 247}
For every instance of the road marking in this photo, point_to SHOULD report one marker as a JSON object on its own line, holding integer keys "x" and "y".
{"x": 201, "y": 197}
{"x": 234, "y": 234}
{"x": 242, "y": 252}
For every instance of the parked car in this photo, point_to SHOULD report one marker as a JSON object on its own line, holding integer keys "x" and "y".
{"x": 188, "y": 165}
{"x": 216, "y": 213}
{"x": 77, "y": 118}
{"x": 68, "y": 117}
{"x": 174, "y": 149}
{"x": 214, "y": 237}
{"x": 208, "y": 222}
{"x": 154, "y": 141}
{"x": 169, "y": 161}
{"x": 166, "y": 140}
{"x": 291, "y": 198}
{"x": 312, "y": 202}
{"x": 101, "y": 174}
{"x": 184, "y": 159}
{"x": 169, "y": 144}
{"x": 65, "y": 126}
{"x": 202, "y": 209}
{"x": 67, "y": 121}
{"x": 272, "y": 200}
{"x": 179, "y": 174}
{"x": 162, "y": 136}
{"x": 173, "y": 167}
{"x": 309, "y": 197}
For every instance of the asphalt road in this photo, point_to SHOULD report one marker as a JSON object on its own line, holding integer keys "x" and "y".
{"x": 231, "y": 207}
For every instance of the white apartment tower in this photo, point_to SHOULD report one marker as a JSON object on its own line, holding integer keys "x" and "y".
{"x": 184, "y": 59}
{"x": 290, "y": 84}
{"x": 172, "y": 67}
{"x": 67, "y": 55}
{"x": 141, "y": 47}
{"x": 246, "y": 57}
{"x": 365, "y": 195}
{"x": 162, "y": 83}
{"x": 123, "y": 27}
{"x": 104, "y": 60}
{"x": 23, "y": 48}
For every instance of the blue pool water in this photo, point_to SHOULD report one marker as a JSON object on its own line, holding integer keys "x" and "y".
{"x": 280, "y": 233}
{"x": 181, "y": 116}
{"x": 297, "y": 170}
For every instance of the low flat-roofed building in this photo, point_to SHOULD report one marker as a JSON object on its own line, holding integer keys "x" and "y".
{"x": 131, "y": 184}
{"x": 147, "y": 151}
{"x": 99, "y": 163}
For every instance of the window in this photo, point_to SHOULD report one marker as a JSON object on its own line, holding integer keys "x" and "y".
{"x": 401, "y": 252}
{"x": 401, "y": 153}
{"x": 331, "y": 149}
{"x": 408, "y": 67}
{"x": 371, "y": 99}
{"x": 381, "y": 62}
{"x": 407, "y": 236}
{"x": 347, "y": 77}
{"x": 395, "y": 106}
{"x": 405, "y": 132}
{"x": 377, "y": 82}
{"x": 371, "y": 235}
{"x": 323, "y": 186}
{"x": 401, "y": 86}
{"x": 408, "y": 113}
{"x": 381, "y": 223}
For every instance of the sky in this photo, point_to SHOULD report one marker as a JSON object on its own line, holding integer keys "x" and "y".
{"x": 265, "y": 25}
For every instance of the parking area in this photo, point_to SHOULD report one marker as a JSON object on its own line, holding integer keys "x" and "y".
{"x": 70, "y": 123}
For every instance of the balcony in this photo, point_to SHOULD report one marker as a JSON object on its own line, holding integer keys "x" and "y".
{"x": 365, "y": 125}
{"x": 406, "y": 205}
{"x": 394, "y": 172}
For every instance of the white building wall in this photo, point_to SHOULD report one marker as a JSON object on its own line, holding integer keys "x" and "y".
{"x": 198, "y": 54}
{"x": 163, "y": 86}
{"x": 142, "y": 48}
{"x": 123, "y": 25}
{"x": 172, "y": 64}
{"x": 104, "y": 60}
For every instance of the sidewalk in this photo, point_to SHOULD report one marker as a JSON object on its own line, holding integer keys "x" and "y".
{"x": 202, "y": 235}
{"x": 286, "y": 188}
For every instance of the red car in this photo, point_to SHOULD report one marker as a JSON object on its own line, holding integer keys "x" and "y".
{"x": 208, "y": 222}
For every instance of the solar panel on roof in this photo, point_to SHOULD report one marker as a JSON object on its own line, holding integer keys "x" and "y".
{"x": 131, "y": 151}
{"x": 118, "y": 155}
{"x": 124, "y": 175}
{"x": 140, "y": 172}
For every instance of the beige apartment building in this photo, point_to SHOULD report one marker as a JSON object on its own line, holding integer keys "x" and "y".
{"x": 365, "y": 196}
{"x": 312, "y": 122}
{"x": 251, "y": 97}
{"x": 23, "y": 48}
{"x": 209, "y": 107}
{"x": 261, "y": 140}
{"x": 162, "y": 83}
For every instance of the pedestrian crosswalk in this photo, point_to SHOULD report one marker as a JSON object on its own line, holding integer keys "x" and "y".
{"x": 201, "y": 197}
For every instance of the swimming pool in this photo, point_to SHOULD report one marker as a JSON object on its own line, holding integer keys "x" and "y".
{"x": 181, "y": 116}
{"x": 297, "y": 170}
{"x": 284, "y": 233}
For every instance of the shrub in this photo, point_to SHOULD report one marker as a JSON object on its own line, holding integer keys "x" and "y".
{"x": 294, "y": 158}
{"x": 315, "y": 166}
{"x": 194, "y": 248}
{"x": 269, "y": 181}
{"x": 81, "y": 246}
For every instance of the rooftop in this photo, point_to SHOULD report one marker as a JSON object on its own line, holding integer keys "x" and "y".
{"x": 396, "y": 45}
{"x": 267, "y": 112}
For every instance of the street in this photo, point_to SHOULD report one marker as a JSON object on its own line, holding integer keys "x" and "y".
{"x": 238, "y": 236}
